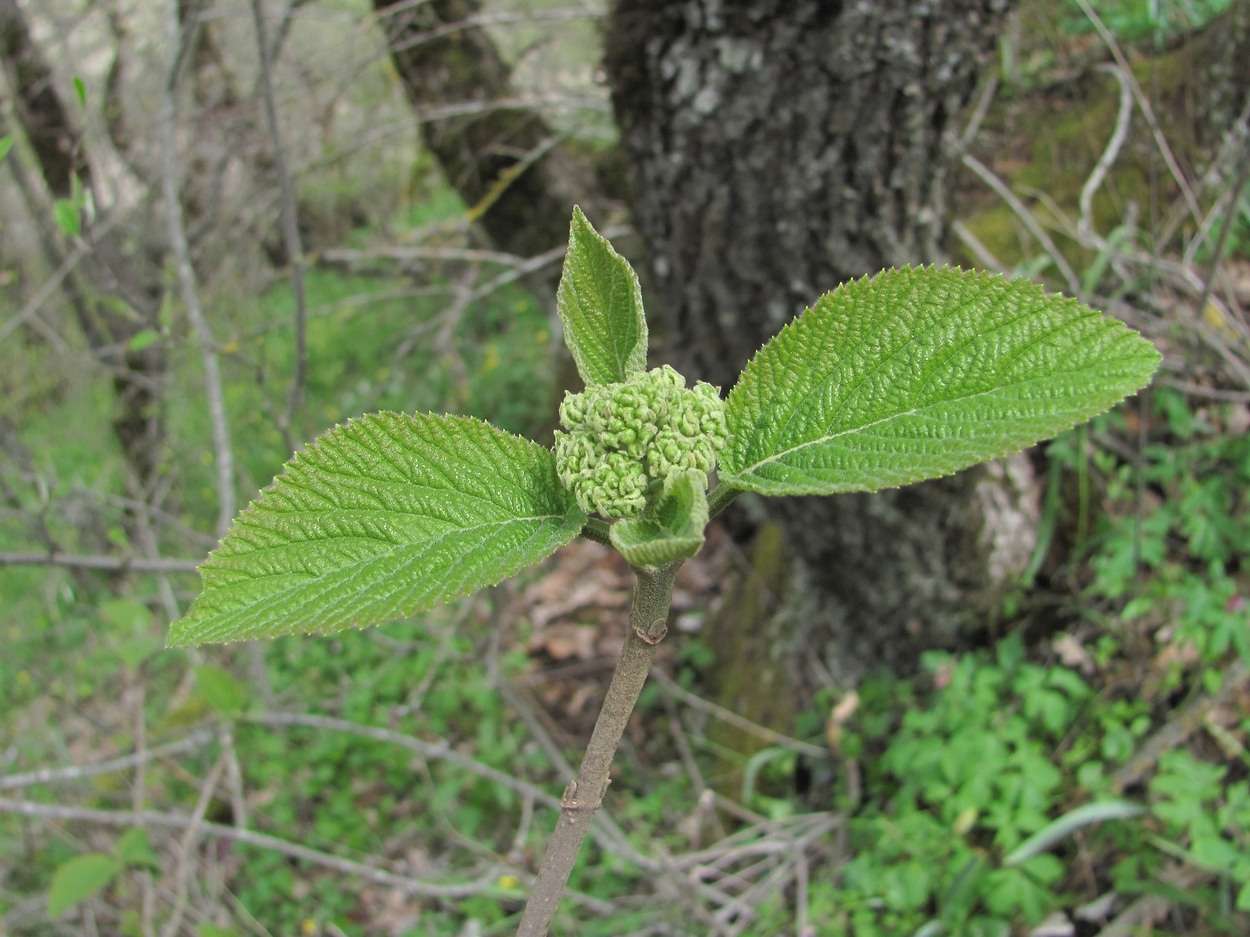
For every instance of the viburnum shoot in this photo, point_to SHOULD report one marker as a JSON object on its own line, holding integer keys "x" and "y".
{"x": 912, "y": 374}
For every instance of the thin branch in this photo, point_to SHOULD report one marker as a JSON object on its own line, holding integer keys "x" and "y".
{"x": 186, "y": 847}
{"x": 325, "y": 860}
{"x": 607, "y": 833}
{"x": 192, "y": 742}
{"x": 1182, "y": 723}
{"x": 738, "y": 722}
{"x": 290, "y": 226}
{"x": 222, "y": 450}
{"x": 284, "y": 28}
{"x": 90, "y": 561}
{"x": 439, "y": 751}
{"x": 1143, "y": 104}
{"x": 1070, "y": 278}
{"x": 1085, "y": 223}
{"x": 1221, "y": 239}
{"x": 1212, "y": 393}
{"x": 29, "y": 310}
{"x": 648, "y": 618}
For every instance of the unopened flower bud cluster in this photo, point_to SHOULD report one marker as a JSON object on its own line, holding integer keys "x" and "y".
{"x": 621, "y": 438}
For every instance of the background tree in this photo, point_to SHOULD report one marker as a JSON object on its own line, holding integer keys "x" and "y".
{"x": 779, "y": 149}
{"x": 113, "y": 281}
{"x": 776, "y": 150}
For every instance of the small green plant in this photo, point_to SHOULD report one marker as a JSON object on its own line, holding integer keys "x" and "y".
{"x": 909, "y": 375}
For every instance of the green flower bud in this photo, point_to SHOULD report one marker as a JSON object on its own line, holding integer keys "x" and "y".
{"x": 623, "y": 438}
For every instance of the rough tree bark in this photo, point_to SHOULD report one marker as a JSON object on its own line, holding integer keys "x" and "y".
{"x": 505, "y": 161}
{"x": 779, "y": 148}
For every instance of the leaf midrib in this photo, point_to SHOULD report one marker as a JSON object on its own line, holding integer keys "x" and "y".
{"x": 753, "y": 467}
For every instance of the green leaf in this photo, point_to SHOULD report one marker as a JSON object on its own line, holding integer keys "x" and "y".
{"x": 80, "y": 878}
{"x": 377, "y": 519}
{"x": 918, "y": 373}
{"x": 135, "y": 849}
{"x": 672, "y": 531}
{"x": 65, "y": 213}
{"x": 225, "y": 695}
{"x": 142, "y": 339}
{"x": 80, "y": 91}
{"x": 600, "y": 305}
{"x": 6, "y": 144}
{"x": 1069, "y": 823}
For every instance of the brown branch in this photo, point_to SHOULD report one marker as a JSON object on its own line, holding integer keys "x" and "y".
{"x": 1182, "y": 723}
{"x": 648, "y": 619}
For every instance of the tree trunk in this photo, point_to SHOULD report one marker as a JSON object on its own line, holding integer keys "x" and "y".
{"x": 116, "y": 291}
{"x": 502, "y": 158}
{"x": 779, "y": 148}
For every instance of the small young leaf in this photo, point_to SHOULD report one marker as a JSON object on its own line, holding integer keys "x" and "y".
{"x": 142, "y": 339}
{"x": 672, "y": 531}
{"x": 600, "y": 305}
{"x": 380, "y": 518}
{"x": 918, "y": 373}
{"x": 80, "y": 878}
{"x": 65, "y": 212}
{"x": 6, "y": 144}
{"x": 135, "y": 849}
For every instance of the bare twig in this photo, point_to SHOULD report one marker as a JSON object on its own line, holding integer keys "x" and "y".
{"x": 746, "y": 725}
{"x": 186, "y": 847}
{"x": 438, "y": 751}
{"x": 290, "y": 226}
{"x": 1143, "y": 104}
{"x": 223, "y": 453}
{"x": 1212, "y": 393}
{"x": 1226, "y": 225}
{"x": 1071, "y": 281}
{"x": 1085, "y": 223}
{"x": 325, "y": 860}
{"x": 648, "y": 618}
{"x": 30, "y": 309}
{"x": 138, "y": 795}
{"x": 92, "y": 561}
{"x": 1183, "y": 723}
{"x": 193, "y": 742}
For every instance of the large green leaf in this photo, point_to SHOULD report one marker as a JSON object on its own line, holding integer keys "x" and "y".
{"x": 917, "y": 373}
{"x": 600, "y": 305}
{"x": 380, "y": 518}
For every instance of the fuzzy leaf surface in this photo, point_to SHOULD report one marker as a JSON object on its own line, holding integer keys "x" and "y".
{"x": 600, "y": 305}
{"x": 377, "y": 519}
{"x": 918, "y": 373}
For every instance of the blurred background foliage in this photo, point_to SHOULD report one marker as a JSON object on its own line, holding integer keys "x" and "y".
{"x": 392, "y": 782}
